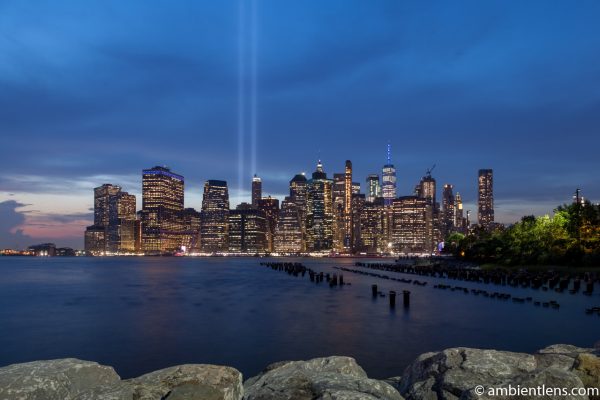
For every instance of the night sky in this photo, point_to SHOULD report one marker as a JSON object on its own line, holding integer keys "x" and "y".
{"x": 92, "y": 92}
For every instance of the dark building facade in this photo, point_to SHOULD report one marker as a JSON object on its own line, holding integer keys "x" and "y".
{"x": 214, "y": 217}
{"x": 247, "y": 231}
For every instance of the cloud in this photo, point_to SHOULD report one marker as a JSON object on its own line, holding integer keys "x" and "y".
{"x": 11, "y": 222}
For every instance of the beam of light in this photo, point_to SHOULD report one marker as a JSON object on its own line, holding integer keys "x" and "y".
{"x": 253, "y": 84}
{"x": 241, "y": 123}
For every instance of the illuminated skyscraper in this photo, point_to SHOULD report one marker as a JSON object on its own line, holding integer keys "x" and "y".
{"x": 448, "y": 219}
{"x": 373, "y": 187}
{"x": 319, "y": 211}
{"x": 485, "y": 212}
{"x": 348, "y": 215}
{"x": 247, "y": 231}
{"x": 270, "y": 207}
{"x": 256, "y": 190}
{"x": 162, "y": 204}
{"x": 412, "y": 225}
{"x": 338, "y": 198}
{"x": 389, "y": 179}
{"x": 373, "y": 226}
{"x": 298, "y": 188}
{"x": 288, "y": 233}
{"x": 114, "y": 222}
{"x": 214, "y": 220}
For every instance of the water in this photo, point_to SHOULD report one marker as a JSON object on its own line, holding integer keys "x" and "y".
{"x": 142, "y": 314}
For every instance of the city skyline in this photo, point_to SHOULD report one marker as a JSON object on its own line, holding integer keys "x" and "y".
{"x": 92, "y": 94}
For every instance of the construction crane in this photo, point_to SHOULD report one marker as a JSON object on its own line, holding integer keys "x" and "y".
{"x": 429, "y": 170}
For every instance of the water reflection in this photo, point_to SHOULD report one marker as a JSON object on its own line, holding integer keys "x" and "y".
{"x": 141, "y": 314}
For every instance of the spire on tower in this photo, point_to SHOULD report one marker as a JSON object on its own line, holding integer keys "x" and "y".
{"x": 389, "y": 153}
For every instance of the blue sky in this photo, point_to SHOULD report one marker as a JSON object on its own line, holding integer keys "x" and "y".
{"x": 93, "y": 92}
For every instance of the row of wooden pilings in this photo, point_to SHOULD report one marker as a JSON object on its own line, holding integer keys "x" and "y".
{"x": 545, "y": 280}
{"x": 298, "y": 269}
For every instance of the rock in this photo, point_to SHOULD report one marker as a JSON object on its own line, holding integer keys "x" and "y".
{"x": 189, "y": 381}
{"x": 587, "y": 367}
{"x": 455, "y": 373}
{"x": 331, "y": 378}
{"x": 53, "y": 379}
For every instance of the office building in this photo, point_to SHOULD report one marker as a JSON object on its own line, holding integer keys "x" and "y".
{"x": 270, "y": 207}
{"x": 373, "y": 188}
{"x": 412, "y": 225}
{"x": 319, "y": 211}
{"x": 256, "y": 190}
{"x": 162, "y": 203}
{"x": 113, "y": 231}
{"x": 388, "y": 185}
{"x": 288, "y": 233}
{"x": 214, "y": 221}
{"x": 485, "y": 203}
{"x": 247, "y": 231}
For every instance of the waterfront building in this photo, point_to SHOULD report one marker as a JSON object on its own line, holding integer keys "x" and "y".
{"x": 256, "y": 190}
{"x": 412, "y": 225}
{"x": 114, "y": 222}
{"x": 389, "y": 179}
{"x": 247, "y": 231}
{"x": 373, "y": 188}
{"x": 485, "y": 203}
{"x": 319, "y": 211}
{"x": 270, "y": 207}
{"x": 214, "y": 222}
{"x": 162, "y": 203}
{"x": 191, "y": 230}
{"x": 288, "y": 233}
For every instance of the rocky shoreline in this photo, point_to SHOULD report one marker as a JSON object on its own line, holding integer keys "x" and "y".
{"x": 449, "y": 374}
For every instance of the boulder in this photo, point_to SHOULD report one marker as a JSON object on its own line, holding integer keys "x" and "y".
{"x": 331, "y": 378}
{"x": 53, "y": 379}
{"x": 456, "y": 373}
{"x": 189, "y": 381}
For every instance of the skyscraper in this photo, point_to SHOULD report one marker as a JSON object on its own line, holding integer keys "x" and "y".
{"x": 162, "y": 203}
{"x": 256, "y": 190}
{"x": 319, "y": 211}
{"x": 114, "y": 222}
{"x": 412, "y": 225}
{"x": 389, "y": 179}
{"x": 485, "y": 203}
{"x": 298, "y": 188}
{"x": 348, "y": 216}
{"x": 373, "y": 187}
{"x": 270, "y": 207}
{"x": 214, "y": 220}
{"x": 448, "y": 219}
{"x": 288, "y": 233}
{"x": 338, "y": 198}
{"x": 247, "y": 232}
{"x": 373, "y": 226}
